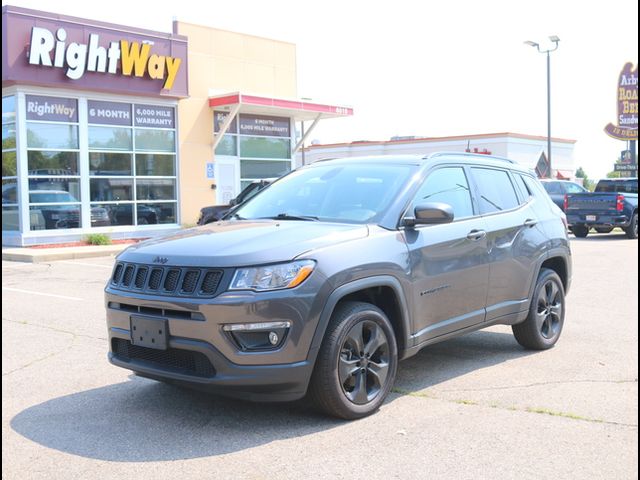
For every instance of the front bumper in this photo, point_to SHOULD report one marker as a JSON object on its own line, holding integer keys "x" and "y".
{"x": 252, "y": 382}
{"x": 202, "y": 355}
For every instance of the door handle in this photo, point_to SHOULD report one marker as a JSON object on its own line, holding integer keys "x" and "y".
{"x": 529, "y": 222}
{"x": 476, "y": 234}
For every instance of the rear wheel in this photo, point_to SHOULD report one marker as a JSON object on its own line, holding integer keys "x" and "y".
{"x": 357, "y": 363}
{"x": 632, "y": 229}
{"x": 544, "y": 323}
{"x": 604, "y": 230}
{"x": 580, "y": 231}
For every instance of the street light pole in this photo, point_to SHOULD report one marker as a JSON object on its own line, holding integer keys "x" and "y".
{"x": 555, "y": 40}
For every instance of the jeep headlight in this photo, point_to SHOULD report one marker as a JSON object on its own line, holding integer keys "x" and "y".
{"x": 272, "y": 277}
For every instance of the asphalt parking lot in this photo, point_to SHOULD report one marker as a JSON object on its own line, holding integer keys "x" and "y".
{"x": 473, "y": 407}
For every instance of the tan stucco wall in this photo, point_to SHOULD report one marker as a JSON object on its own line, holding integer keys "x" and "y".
{"x": 227, "y": 62}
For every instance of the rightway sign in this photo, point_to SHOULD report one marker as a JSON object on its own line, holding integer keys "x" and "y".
{"x": 627, "y": 127}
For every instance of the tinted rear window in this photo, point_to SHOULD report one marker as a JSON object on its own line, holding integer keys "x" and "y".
{"x": 624, "y": 186}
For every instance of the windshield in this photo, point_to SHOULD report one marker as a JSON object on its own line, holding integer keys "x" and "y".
{"x": 335, "y": 193}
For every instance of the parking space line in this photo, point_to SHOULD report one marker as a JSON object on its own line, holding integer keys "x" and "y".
{"x": 19, "y": 290}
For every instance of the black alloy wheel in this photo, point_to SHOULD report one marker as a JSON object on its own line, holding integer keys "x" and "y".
{"x": 549, "y": 309}
{"x": 357, "y": 362}
{"x": 543, "y": 325}
{"x": 363, "y": 363}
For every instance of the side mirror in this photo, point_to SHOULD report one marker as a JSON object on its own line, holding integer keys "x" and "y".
{"x": 232, "y": 202}
{"x": 433, "y": 213}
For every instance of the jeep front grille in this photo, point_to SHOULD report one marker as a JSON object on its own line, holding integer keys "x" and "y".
{"x": 178, "y": 281}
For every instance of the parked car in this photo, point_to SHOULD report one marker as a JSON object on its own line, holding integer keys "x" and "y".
{"x": 66, "y": 214}
{"x": 122, "y": 214}
{"x": 216, "y": 212}
{"x": 557, "y": 189}
{"x": 614, "y": 203}
{"x": 323, "y": 282}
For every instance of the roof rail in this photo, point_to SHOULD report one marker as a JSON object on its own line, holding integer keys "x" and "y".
{"x": 467, "y": 155}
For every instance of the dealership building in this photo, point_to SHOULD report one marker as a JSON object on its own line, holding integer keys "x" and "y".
{"x": 129, "y": 132}
{"x": 527, "y": 150}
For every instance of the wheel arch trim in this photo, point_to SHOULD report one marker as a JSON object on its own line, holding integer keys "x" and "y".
{"x": 355, "y": 286}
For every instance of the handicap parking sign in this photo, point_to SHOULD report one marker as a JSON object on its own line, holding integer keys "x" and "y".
{"x": 210, "y": 173}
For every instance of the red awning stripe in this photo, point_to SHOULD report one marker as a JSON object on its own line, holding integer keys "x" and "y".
{"x": 279, "y": 103}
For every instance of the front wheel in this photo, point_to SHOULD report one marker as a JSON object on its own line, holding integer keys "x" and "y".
{"x": 632, "y": 229}
{"x": 357, "y": 363}
{"x": 544, "y": 323}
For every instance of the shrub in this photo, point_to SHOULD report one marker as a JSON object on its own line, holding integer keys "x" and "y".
{"x": 98, "y": 239}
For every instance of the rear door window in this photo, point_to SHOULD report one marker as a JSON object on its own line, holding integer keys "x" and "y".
{"x": 495, "y": 190}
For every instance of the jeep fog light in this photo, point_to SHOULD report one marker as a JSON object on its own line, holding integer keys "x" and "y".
{"x": 258, "y": 336}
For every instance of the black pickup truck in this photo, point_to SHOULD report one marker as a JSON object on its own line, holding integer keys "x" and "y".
{"x": 614, "y": 203}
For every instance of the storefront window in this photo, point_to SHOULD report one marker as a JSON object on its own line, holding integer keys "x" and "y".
{"x": 227, "y": 146}
{"x": 52, "y": 162}
{"x": 264, "y": 147}
{"x": 106, "y": 138}
{"x": 149, "y": 164}
{"x": 111, "y": 189}
{"x": 156, "y": 213}
{"x": 9, "y": 166}
{"x": 118, "y": 183}
{"x": 105, "y": 163}
{"x": 156, "y": 140}
{"x": 10, "y": 216}
{"x": 264, "y": 144}
{"x": 41, "y": 162}
{"x": 50, "y": 135}
{"x": 8, "y": 136}
{"x": 161, "y": 189}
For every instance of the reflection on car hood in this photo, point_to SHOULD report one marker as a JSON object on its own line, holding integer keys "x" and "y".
{"x": 239, "y": 243}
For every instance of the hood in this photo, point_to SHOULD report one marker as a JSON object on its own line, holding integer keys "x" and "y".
{"x": 242, "y": 243}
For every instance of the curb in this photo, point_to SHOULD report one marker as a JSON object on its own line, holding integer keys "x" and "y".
{"x": 40, "y": 255}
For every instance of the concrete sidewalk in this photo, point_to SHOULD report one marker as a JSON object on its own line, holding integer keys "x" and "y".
{"x": 39, "y": 255}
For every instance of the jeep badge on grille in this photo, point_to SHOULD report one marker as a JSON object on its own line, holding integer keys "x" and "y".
{"x": 161, "y": 260}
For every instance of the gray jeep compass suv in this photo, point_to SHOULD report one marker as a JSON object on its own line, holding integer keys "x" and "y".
{"x": 327, "y": 278}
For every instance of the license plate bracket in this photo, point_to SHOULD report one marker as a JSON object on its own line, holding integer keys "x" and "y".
{"x": 591, "y": 218}
{"x": 150, "y": 332}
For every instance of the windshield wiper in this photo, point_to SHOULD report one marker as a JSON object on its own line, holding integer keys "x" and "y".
{"x": 286, "y": 216}
{"x": 233, "y": 215}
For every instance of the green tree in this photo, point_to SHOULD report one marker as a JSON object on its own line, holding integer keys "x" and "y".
{"x": 586, "y": 182}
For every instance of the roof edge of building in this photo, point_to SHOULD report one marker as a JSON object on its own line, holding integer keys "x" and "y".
{"x": 440, "y": 139}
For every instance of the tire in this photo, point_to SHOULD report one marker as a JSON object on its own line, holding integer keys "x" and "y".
{"x": 357, "y": 362}
{"x": 580, "y": 231}
{"x": 544, "y": 323}
{"x": 604, "y": 230}
{"x": 632, "y": 229}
